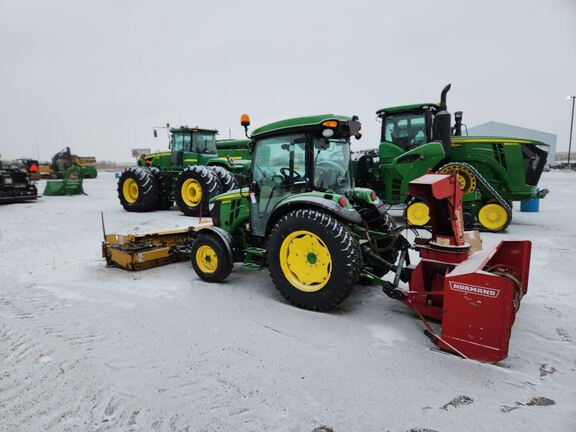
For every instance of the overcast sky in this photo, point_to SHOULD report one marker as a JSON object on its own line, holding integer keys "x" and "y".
{"x": 98, "y": 75}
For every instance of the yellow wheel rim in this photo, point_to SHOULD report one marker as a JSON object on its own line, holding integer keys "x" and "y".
{"x": 493, "y": 216}
{"x": 191, "y": 192}
{"x": 418, "y": 214}
{"x": 305, "y": 261}
{"x": 206, "y": 259}
{"x": 130, "y": 190}
{"x": 466, "y": 179}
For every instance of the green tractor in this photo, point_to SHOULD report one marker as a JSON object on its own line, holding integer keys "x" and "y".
{"x": 301, "y": 216}
{"x": 196, "y": 169}
{"x": 492, "y": 171}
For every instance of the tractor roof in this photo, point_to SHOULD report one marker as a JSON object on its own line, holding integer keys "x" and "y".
{"x": 401, "y": 108}
{"x": 192, "y": 129}
{"x": 298, "y": 122}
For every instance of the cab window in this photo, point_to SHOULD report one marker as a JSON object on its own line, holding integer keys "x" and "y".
{"x": 405, "y": 130}
{"x": 204, "y": 142}
{"x": 180, "y": 142}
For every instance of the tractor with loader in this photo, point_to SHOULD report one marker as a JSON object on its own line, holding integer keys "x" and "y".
{"x": 302, "y": 217}
{"x": 65, "y": 159}
{"x": 492, "y": 171}
{"x": 196, "y": 169}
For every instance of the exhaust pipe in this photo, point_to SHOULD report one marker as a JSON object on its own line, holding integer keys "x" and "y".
{"x": 442, "y": 127}
{"x": 445, "y": 91}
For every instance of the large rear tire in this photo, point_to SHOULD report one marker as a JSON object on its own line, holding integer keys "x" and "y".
{"x": 138, "y": 190}
{"x": 313, "y": 259}
{"x": 164, "y": 201}
{"x": 227, "y": 179}
{"x": 194, "y": 188}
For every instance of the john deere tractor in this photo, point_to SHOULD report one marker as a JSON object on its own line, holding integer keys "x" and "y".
{"x": 192, "y": 172}
{"x": 301, "y": 215}
{"x": 492, "y": 171}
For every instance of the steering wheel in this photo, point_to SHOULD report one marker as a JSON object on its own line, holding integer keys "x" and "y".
{"x": 329, "y": 165}
{"x": 290, "y": 173}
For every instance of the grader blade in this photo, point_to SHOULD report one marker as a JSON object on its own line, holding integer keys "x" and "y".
{"x": 143, "y": 251}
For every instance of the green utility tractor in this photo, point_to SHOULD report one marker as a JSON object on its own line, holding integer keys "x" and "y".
{"x": 301, "y": 216}
{"x": 492, "y": 171}
{"x": 196, "y": 169}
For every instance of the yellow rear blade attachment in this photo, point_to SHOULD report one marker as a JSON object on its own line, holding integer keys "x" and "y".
{"x": 143, "y": 251}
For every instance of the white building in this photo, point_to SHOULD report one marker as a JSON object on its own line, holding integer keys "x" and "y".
{"x": 493, "y": 128}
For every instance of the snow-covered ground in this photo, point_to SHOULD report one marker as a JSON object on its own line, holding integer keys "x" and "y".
{"x": 84, "y": 347}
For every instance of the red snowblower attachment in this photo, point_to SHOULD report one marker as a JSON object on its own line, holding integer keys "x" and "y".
{"x": 475, "y": 296}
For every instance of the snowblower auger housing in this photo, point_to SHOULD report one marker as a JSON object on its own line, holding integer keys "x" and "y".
{"x": 474, "y": 296}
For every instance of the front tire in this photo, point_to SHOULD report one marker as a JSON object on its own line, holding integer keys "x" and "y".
{"x": 138, "y": 190}
{"x": 210, "y": 259}
{"x": 313, "y": 259}
{"x": 194, "y": 188}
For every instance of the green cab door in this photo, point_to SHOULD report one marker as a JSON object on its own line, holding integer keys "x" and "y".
{"x": 279, "y": 168}
{"x": 180, "y": 143}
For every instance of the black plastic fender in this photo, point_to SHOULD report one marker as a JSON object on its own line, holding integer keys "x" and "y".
{"x": 346, "y": 214}
{"x": 223, "y": 235}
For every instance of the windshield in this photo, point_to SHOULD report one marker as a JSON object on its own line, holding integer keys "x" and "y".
{"x": 405, "y": 130}
{"x": 204, "y": 142}
{"x": 331, "y": 165}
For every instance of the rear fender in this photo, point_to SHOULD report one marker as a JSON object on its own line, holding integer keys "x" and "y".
{"x": 329, "y": 205}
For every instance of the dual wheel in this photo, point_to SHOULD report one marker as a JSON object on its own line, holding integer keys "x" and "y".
{"x": 313, "y": 259}
{"x": 143, "y": 189}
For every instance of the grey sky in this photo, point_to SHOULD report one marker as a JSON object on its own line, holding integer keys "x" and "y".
{"x": 98, "y": 75}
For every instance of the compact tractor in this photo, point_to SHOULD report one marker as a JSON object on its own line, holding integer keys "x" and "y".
{"x": 302, "y": 217}
{"x": 196, "y": 169}
{"x": 492, "y": 171}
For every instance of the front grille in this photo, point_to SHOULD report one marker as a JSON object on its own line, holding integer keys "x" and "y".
{"x": 534, "y": 161}
{"x": 396, "y": 188}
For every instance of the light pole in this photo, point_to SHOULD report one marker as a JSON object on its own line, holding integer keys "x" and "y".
{"x": 571, "y": 126}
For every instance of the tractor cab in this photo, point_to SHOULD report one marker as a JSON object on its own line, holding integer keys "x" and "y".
{"x": 407, "y": 126}
{"x": 306, "y": 155}
{"x": 416, "y": 131}
{"x": 192, "y": 143}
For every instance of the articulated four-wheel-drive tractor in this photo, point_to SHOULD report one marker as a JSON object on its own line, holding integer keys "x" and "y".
{"x": 492, "y": 171}
{"x": 302, "y": 217}
{"x": 196, "y": 169}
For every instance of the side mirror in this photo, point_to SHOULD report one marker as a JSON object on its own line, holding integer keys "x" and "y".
{"x": 155, "y": 133}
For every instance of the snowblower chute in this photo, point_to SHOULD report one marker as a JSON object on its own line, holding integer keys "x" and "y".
{"x": 476, "y": 295}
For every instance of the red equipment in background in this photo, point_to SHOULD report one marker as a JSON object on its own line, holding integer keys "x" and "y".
{"x": 474, "y": 296}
